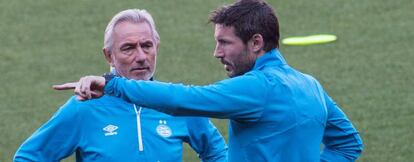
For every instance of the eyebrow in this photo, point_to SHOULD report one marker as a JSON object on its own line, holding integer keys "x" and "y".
{"x": 223, "y": 40}
{"x": 127, "y": 44}
{"x": 134, "y": 44}
{"x": 148, "y": 41}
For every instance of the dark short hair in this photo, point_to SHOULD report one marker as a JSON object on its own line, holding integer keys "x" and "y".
{"x": 249, "y": 17}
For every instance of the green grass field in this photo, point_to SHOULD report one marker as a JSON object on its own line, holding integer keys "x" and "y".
{"x": 367, "y": 71}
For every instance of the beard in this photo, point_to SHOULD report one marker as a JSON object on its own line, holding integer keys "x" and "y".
{"x": 243, "y": 63}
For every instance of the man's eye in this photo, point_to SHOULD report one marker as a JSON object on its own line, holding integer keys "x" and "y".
{"x": 127, "y": 48}
{"x": 147, "y": 45}
{"x": 223, "y": 42}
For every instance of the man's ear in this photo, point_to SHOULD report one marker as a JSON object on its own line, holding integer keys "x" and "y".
{"x": 257, "y": 43}
{"x": 108, "y": 57}
{"x": 157, "y": 46}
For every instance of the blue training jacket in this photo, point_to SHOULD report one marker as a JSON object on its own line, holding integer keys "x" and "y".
{"x": 276, "y": 112}
{"x": 110, "y": 129}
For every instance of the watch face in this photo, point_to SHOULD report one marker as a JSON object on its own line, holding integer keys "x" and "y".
{"x": 108, "y": 77}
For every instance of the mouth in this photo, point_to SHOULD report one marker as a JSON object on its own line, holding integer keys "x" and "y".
{"x": 140, "y": 69}
{"x": 224, "y": 62}
{"x": 226, "y": 65}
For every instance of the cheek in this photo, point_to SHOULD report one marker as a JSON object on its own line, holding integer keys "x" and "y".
{"x": 125, "y": 59}
{"x": 122, "y": 63}
{"x": 235, "y": 54}
{"x": 152, "y": 59}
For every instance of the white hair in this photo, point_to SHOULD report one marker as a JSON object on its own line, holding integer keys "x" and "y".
{"x": 133, "y": 16}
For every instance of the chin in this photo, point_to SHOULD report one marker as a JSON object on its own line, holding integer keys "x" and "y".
{"x": 140, "y": 76}
{"x": 233, "y": 74}
{"x": 230, "y": 75}
{"x": 137, "y": 77}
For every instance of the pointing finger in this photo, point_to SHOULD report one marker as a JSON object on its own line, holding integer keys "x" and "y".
{"x": 65, "y": 86}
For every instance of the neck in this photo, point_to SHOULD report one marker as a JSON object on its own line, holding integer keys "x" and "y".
{"x": 260, "y": 53}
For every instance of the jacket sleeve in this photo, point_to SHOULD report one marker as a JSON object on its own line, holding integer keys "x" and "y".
{"x": 54, "y": 140}
{"x": 235, "y": 98}
{"x": 342, "y": 141}
{"x": 206, "y": 140}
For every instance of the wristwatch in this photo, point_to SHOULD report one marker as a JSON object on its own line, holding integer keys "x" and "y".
{"x": 108, "y": 77}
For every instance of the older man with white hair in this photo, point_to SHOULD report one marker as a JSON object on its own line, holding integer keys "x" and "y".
{"x": 110, "y": 129}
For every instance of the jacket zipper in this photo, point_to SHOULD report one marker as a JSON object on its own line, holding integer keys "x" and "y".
{"x": 138, "y": 115}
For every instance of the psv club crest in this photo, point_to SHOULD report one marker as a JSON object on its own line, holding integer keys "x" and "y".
{"x": 163, "y": 129}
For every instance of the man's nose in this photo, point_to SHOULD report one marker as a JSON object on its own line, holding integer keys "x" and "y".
{"x": 140, "y": 55}
{"x": 218, "y": 53}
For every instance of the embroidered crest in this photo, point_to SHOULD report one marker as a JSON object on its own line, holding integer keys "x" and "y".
{"x": 163, "y": 129}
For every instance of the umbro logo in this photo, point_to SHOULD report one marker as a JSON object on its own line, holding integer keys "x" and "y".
{"x": 110, "y": 130}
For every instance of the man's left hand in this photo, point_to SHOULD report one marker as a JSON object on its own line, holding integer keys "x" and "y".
{"x": 86, "y": 88}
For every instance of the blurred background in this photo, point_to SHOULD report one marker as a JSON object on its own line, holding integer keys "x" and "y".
{"x": 368, "y": 71}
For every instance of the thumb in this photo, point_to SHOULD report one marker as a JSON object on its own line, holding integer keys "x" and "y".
{"x": 96, "y": 94}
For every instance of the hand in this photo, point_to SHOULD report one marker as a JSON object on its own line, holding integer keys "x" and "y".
{"x": 86, "y": 88}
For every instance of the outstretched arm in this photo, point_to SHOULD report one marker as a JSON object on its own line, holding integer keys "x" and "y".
{"x": 230, "y": 98}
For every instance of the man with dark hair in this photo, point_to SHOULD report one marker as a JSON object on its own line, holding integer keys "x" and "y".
{"x": 276, "y": 112}
{"x": 247, "y": 22}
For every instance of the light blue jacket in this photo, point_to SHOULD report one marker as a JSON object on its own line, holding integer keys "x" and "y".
{"x": 110, "y": 129}
{"x": 276, "y": 112}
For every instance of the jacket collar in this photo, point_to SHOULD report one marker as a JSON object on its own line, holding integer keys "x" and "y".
{"x": 270, "y": 58}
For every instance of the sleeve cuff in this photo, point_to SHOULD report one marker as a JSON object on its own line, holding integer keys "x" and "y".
{"x": 109, "y": 87}
{"x": 332, "y": 156}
